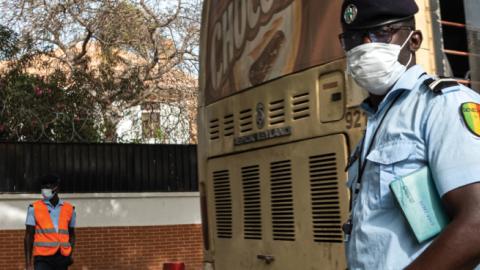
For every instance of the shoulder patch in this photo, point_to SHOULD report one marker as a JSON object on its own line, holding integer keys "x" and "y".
{"x": 437, "y": 86}
{"x": 471, "y": 115}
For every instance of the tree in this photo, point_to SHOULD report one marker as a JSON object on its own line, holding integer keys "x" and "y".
{"x": 8, "y": 43}
{"x": 123, "y": 53}
{"x": 35, "y": 108}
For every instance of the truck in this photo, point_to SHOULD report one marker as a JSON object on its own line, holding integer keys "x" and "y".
{"x": 279, "y": 117}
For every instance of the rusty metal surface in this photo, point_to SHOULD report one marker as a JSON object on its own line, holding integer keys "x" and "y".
{"x": 251, "y": 42}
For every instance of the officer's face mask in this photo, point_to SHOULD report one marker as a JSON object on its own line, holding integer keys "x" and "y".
{"x": 375, "y": 67}
{"x": 48, "y": 193}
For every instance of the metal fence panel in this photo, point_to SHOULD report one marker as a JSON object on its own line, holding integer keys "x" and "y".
{"x": 99, "y": 167}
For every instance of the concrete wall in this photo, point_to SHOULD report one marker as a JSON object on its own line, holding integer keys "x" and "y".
{"x": 111, "y": 209}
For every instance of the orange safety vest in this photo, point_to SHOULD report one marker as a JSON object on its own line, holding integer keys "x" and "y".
{"x": 47, "y": 240}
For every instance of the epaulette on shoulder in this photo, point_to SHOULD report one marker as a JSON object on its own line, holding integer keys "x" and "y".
{"x": 31, "y": 205}
{"x": 436, "y": 86}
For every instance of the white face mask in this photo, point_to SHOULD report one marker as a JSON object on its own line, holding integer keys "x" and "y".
{"x": 47, "y": 193}
{"x": 375, "y": 67}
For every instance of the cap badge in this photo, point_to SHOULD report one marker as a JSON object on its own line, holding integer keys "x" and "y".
{"x": 350, "y": 13}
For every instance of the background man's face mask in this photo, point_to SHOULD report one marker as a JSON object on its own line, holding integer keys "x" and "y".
{"x": 375, "y": 66}
{"x": 48, "y": 193}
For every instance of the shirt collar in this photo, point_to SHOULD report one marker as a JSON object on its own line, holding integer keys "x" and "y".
{"x": 407, "y": 82}
{"x": 47, "y": 202}
{"x": 409, "y": 79}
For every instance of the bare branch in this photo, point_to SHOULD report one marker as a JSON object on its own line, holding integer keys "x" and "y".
{"x": 77, "y": 58}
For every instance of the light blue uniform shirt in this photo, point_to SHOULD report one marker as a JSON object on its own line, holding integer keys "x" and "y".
{"x": 54, "y": 215}
{"x": 421, "y": 129}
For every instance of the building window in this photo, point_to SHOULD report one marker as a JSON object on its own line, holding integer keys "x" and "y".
{"x": 151, "y": 125}
{"x": 165, "y": 123}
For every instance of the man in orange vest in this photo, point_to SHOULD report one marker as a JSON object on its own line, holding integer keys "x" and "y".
{"x": 50, "y": 235}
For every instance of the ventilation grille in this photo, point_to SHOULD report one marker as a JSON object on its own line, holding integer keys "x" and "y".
{"x": 325, "y": 201}
{"x": 282, "y": 201}
{"x": 214, "y": 129}
{"x": 276, "y": 112}
{"x": 251, "y": 201}
{"x": 246, "y": 124}
{"x": 228, "y": 125}
{"x": 301, "y": 106}
{"x": 223, "y": 203}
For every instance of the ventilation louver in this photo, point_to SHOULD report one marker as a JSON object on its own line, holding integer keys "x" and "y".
{"x": 228, "y": 125}
{"x": 301, "y": 106}
{"x": 223, "y": 203}
{"x": 214, "y": 129}
{"x": 276, "y": 112}
{"x": 246, "y": 124}
{"x": 251, "y": 202}
{"x": 325, "y": 199}
{"x": 283, "y": 221}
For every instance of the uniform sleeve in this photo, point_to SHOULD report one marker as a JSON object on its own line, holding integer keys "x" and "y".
{"x": 73, "y": 220}
{"x": 30, "y": 217}
{"x": 452, "y": 149}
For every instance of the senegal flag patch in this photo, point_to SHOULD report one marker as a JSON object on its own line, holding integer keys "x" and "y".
{"x": 471, "y": 116}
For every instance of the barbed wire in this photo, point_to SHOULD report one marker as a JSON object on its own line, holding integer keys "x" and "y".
{"x": 30, "y": 125}
{"x": 172, "y": 124}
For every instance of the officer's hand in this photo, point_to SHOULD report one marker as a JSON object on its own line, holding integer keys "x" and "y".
{"x": 70, "y": 260}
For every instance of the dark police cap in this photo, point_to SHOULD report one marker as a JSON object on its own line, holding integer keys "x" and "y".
{"x": 364, "y": 14}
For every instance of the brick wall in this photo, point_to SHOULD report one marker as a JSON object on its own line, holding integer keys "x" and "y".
{"x": 142, "y": 247}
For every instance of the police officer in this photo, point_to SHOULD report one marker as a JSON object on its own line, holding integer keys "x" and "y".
{"x": 50, "y": 235}
{"x": 414, "y": 121}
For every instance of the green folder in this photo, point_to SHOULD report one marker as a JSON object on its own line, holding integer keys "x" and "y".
{"x": 420, "y": 202}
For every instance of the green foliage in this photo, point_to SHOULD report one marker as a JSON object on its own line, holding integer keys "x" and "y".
{"x": 8, "y": 43}
{"x": 49, "y": 108}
